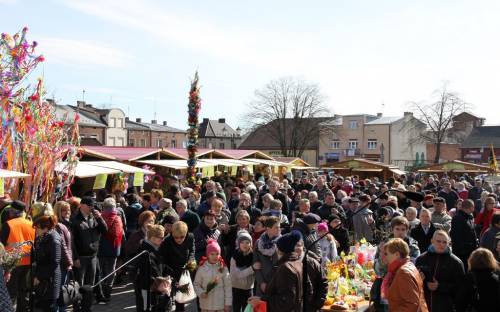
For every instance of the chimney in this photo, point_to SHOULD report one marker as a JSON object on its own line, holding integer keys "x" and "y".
{"x": 127, "y": 119}
{"x": 164, "y": 123}
{"x": 379, "y": 115}
{"x": 138, "y": 120}
{"x": 153, "y": 122}
{"x": 205, "y": 120}
{"x": 80, "y": 104}
{"x": 408, "y": 114}
{"x": 222, "y": 120}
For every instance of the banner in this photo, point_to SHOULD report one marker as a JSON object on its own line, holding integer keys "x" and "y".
{"x": 2, "y": 191}
{"x": 139, "y": 179}
{"x": 100, "y": 181}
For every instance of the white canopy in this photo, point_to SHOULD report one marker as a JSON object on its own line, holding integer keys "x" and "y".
{"x": 85, "y": 170}
{"x": 177, "y": 164}
{"x": 119, "y": 166}
{"x": 266, "y": 162}
{"x": 222, "y": 162}
{"x": 12, "y": 174}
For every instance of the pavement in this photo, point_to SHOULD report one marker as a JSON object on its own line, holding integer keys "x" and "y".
{"x": 123, "y": 299}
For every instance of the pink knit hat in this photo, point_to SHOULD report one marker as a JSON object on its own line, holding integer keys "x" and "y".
{"x": 213, "y": 246}
{"x": 322, "y": 227}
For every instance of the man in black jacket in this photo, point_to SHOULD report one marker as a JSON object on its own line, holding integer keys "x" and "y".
{"x": 463, "y": 234}
{"x": 273, "y": 190}
{"x": 423, "y": 232}
{"x": 443, "y": 272}
{"x": 330, "y": 207}
{"x": 87, "y": 228}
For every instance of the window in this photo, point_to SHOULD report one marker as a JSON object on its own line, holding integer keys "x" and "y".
{"x": 119, "y": 123}
{"x": 353, "y": 124}
{"x": 353, "y": 144}
{"x": 131, "y": 142}
{"x": 159, "y": 143}
{"x": 372, "y": 144}
{"x": 143, "y": 142}
{"x": 334, "y": 144}
{"x": 112, "y": 141}
{"x": 173, "y": 144}
{"x": 210, "y": 145}
{"x": 184, "y": 144}
{"x": 93, "y": 136}
{"x": 221, "y": 145}
{"x": 112, "y": 122}
{"x": 121, "y": 142}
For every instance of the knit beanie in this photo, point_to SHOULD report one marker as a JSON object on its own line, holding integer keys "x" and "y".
{"x": 322, "y": 227}
{"x": 212, "y": 246}
{"x": 286, "y": 243}
{"x": 243, "y": 235}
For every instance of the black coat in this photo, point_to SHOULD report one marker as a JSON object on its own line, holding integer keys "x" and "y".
{"x": 463, "y": 236}
{"x": 48, "y": 263}
{"x": 148, "y": 266}
{"x": 424, "y": 240}
{"x": 317, "y": 285}
{"x": 448, "y": 270}
{"x": 342, "y": 237}
{"x": 487, "y": 285}
{"x": 201, "y": 235}
{"x": 86, "y": 235}
{"x": 175, "y": 256}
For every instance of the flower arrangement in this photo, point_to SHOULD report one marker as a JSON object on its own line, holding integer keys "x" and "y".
{"x": 9, "y": 259}
{"x": 212, "y": 284}
{"x": 193, "y": 114}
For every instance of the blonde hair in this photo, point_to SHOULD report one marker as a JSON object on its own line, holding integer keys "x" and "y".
{"x": 397, "y": 245}
{"x": 179, "y": 228}
{"x": 59, "y": 206}
{"x": 481, "y": 259}
{"x": 155, "y": 231}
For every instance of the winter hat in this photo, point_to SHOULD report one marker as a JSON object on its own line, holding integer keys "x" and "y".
{"x": 212, "y": 246}
{"x": 89, "y": 201}
{"x": 311, "y": 218}
{"x": 243, "y": 235}
{"x": 286, "y": 243}
{"x": 322, "y": 227}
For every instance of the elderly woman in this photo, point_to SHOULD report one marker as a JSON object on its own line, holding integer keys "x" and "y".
{"x": 402, "y": 286}
{"x": 110, "y": 244}
{"x": 229, "y": 238}
{"x": 177, "y": 253}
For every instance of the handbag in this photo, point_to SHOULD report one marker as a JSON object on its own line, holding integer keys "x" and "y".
{"x": 185, "y": 289}
{"x": 70, "y": 292}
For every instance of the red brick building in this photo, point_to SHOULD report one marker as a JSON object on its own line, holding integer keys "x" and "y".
{"x": 476, "y": 147}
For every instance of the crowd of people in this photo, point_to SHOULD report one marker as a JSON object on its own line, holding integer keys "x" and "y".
{"x": 263, "y": 241}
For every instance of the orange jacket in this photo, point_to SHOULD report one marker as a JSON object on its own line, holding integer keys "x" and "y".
{"x": 21, "y": 231}
{"x": 406, "y": 293}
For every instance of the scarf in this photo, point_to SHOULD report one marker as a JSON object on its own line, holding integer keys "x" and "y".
{"x": 115, "y": 230}
{"x": 266, "y": 245}
{"x": 242, "y": 260}
{"x": 220, "y": 262}
{"x": 391, "y": 273}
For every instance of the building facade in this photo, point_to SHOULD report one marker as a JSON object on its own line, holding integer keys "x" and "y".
{"x": 143, "y": 134}
{"x": 476, "y": 147}
{"x": 217, "y": 134}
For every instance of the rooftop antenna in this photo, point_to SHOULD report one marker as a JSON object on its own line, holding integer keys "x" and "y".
{"x": 83, "y": 95}
{"x": 154, "y": 103}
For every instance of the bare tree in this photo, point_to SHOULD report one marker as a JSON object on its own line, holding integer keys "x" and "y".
{"x": 438, "y": 116}
{"x": 287, "y": 110}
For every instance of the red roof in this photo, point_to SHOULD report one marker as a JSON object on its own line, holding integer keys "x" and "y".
{"x": 123, "y": 153}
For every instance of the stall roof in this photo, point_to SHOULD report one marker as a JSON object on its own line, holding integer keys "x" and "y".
{"x": 455, "y": 166}
{"x": 12, "y": 174}
{"x": 242, "y": 154}
{"x": 119, "y": 166}
{"x": 222, "y": 162}
{"x": 128, "y": 153}
{"x": 266, "y": 162}
{"x": 85, "y": 170}
{"x": 294, "y": 161}
{"x": 177, "y": 164}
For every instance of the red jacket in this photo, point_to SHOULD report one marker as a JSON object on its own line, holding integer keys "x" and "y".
{"x": 406, "y": 293}
{"x": 484, "y": 219}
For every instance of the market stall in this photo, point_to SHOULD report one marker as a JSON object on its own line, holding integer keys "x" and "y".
{"x": 455, "y": 166}
{"x": 366, "y": 169}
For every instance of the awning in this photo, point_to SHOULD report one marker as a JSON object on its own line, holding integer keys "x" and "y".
{"x": 85, "y": 170}
{"x": 177, "y": 164}
{"x": 303, "y": 168}
{"x": 119, "y": 166}
{"x": 266, "y": 162}
{"x": 238, "y": 162}
{"x": 397, "y": 171}
{"x": 221, "y": 162}
{"x": 367, "y": 169}
{"x": 12, "y": 174}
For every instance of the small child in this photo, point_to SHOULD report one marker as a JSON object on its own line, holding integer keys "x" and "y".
{"x": 212, "y": 283}
{"x": 242, "y": 271}
{"x": 327, "y": 244}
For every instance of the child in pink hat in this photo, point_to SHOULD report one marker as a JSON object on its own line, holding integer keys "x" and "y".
{"x": 212, "y": 282}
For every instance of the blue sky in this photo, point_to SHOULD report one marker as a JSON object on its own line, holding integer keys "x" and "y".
{"x": 140, "y": 55}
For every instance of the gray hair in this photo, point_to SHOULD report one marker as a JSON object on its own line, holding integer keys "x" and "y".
{"x": 182, "y": 202}
{"x": 109, "y": 203}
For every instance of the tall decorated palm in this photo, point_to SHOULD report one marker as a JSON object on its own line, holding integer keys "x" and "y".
{"x": 193, "y": 114}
